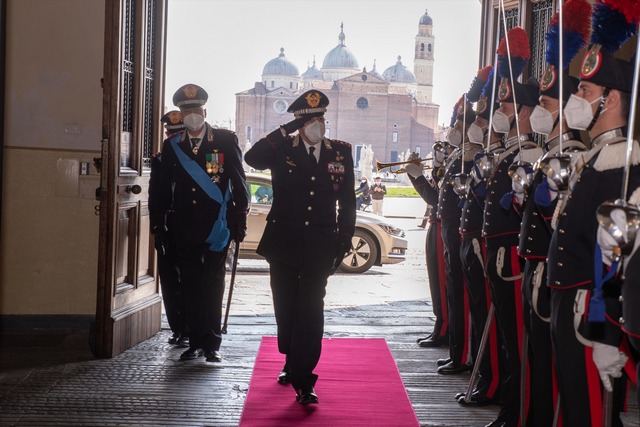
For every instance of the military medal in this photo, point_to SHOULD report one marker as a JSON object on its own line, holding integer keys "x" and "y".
{"x": 336, "y": 170}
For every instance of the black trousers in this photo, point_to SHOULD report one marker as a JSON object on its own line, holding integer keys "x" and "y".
{"x": 456, "y": 304}
{"x": 535, "y": 293}
{"x": 577, "y": 375}
{"x": 434, "y": 252}
{"x": 172, "y": 294}
{"x": 298, "y": 302}
{"x": 472, "y": 254}
{"x": 202, "y": 275}
{"x": 503, "y": 266}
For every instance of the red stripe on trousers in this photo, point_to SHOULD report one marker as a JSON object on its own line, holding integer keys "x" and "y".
{"x": 593, "y": 381}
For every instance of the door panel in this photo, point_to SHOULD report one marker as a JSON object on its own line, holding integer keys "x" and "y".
{"x": 129, "y": 305}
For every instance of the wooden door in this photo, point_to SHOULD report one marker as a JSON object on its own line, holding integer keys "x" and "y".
{"x": 129, "y": 304}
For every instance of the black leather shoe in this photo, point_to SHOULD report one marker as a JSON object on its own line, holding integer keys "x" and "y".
{"x": 505, "y": 419}
{"x": 477, "y": 400}
{"x": 284, "y": 377}
{"x": 213, "y": 356}
{"x": 453, "y": 368}
{"x": 424, "y": 338}
{"x": 174, "y": 338}
{"x": 306, "y": 396}
{"x": 183, "y": 342}
{"x": 441, "y": 362}
{"x": 192, "y": 353}
{"x": 434, "y": 342}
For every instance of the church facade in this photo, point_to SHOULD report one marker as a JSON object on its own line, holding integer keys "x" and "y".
{"x": 393, "y": 111}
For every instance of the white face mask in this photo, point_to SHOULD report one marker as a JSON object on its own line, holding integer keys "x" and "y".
{"x": 454, "y": 137}
{"x": 501, "y": 122}
{"x": 315, "y": 131}
{"x": 193, "y": 121}
{"x": 475, "y": 134}
{"x": 578, "y": 112}
{"x": 541, "y": 120}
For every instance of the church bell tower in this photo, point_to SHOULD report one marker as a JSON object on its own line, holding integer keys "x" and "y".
{"x": 423, "y": 62}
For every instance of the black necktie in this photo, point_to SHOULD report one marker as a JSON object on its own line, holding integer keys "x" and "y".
{"x": 312, "y": 157}
{"x": 194, "y": 145}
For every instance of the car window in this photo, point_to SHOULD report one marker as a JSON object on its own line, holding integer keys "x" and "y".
{"x": 261, "y": 193}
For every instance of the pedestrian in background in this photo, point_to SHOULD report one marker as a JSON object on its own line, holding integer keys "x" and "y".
{"x": 378, "y": 191}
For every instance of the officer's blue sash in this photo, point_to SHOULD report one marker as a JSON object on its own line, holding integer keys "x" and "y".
{"x": 219, "y": 235}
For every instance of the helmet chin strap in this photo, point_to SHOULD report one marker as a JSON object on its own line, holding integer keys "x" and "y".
{"x": 605, "y": 93}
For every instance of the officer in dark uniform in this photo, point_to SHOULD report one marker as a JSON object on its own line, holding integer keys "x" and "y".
{"x": 535, "y": 232}
{"x": 304, "y": 241}
{"x": 434, "y": 251}
{"x": 582, "y": 352}
{"x": 202, "y": 181}
{"x": 502, "y": 221}
{"x": 472, "y": 252}
{"x": 172, "y": 294}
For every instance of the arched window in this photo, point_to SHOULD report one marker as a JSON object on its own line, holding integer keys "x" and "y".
{"x": 394, "y": 136}
{"x": 429, "y": 48}
{"x": 249, "y": 132}
{"x": 421, "y": 47}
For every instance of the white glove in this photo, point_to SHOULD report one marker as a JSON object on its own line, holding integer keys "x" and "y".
{"x": 607, "y": 243}
{"x": 609, "y": 361}
{"x": 413, "y": 170}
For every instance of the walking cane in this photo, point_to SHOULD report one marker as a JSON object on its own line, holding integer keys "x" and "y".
{"x": 234, "y": 267}
{"x": 607, "y": 408}
{"x": 483, "y": 344}
{"x": 524, "y": 360}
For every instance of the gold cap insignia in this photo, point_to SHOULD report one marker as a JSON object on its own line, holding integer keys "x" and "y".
{"x": 548, "y": 78}
{"x": 313, "y": 99}
{"x": 591, "y": 62}
{"x": 175, "y": 117}
{"x": 190, "y": 91}
{"x": 481, "y": 105}
{"x": 504, "y": 92}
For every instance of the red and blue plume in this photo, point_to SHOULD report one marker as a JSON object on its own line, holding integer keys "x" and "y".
{"x": 610, "y": 26}
{"x": 478, "y": 83}
{"x": 629, "y": 8}
{"x": 454, "y": 113}
{"x": 486, "y": 89}
{"x": 577, "y": 28}
{"x": 518, "y": 50}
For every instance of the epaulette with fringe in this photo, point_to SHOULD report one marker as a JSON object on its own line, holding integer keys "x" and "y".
{"x": 337, "y": 141}
{"x": 614, "y": 155}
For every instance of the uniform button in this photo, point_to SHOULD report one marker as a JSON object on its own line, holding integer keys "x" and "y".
{"x": 313, "y": 178}
{"x": 193, "y": 188}
{"x": 569, "y": 198}
{"x": 488, "y": 213}
{"x": 620, "y": 298}
{"x": 533, "y": 226}
{"x": 529, "y": 238}
{"x": 564, "y": 214}
{"x": 489, "y": 203}
{"x": 309, "y": 208}
{"x": 561, "y": 248}
{"x": 290, "y": 171}
{"x": 312, "y": 192}
{"x": 466, "y": 220}
{"x": 194, "y": 202}
{"x": 560, "y": 264}
{"x": 528, "y": 251}
{"x": 493, "y": 192}
{"x": 558, "y": 282}
{"x": 486, "y": 224}
{"x": 622, "y": 277}
{"x": 306, "y": 223}
{"x": 484, "y": 234}
{"x": 621, "y": 321}
{"x": 535, "y": 213}
{"x": 561, "y": 231}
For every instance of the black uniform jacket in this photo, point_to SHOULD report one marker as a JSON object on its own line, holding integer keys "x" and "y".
{"x": 193, "y": 211}
{"x": 448, "y": 201}
{"x": 428, "y": 190}
{"x": 303, "y": 227}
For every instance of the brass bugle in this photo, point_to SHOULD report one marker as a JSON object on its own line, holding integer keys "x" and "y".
{"x": 403, "y": 170}
{"x": 380, "y": 166}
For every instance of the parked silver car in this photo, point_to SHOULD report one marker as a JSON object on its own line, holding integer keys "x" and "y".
{"x": 375, "y": 242}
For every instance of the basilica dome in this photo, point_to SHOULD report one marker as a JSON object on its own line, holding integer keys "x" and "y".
{"x": 312, "y": 72}
{"x": 399, "y": 73}
{"x": 340, "y": 56}
{"x": 280, "y": 66}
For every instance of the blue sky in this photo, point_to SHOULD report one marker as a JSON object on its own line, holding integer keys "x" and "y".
{"x": 223, "y": 45}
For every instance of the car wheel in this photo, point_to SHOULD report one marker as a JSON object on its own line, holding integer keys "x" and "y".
{"x": 363, "y": 253}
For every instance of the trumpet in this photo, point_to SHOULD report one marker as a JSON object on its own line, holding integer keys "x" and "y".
{"x": 403, "y": 170}
{"x": 380, "y": 166}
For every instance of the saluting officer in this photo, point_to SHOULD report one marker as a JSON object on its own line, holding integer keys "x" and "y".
{"x": 172, "y": 294}
{"x": 434, "y": 251}
{"x": 502, "y": 221}
{"x": 600, "y": 106}
{"x": 202, "y": 181}
{"x": 304, "y": 240}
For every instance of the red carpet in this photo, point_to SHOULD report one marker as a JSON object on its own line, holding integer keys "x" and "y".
{"x": 359, "y": 385}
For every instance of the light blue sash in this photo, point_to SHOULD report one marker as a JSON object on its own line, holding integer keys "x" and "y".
{"x": 219, "y": 235}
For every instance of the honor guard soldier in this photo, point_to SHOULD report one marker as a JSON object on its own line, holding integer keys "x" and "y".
{"x": 202, "y": 181}
{"x": 449, "y": 214}
{"x": 434, "y": 251}
{"x": 501, "y": 220}
{"x": 472, "y": 253}
{"x": 540, "y": 202}
{"x": 172, "y": 294}
{"x": 585, "y": 349}
{"x": 304, "y": 240}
